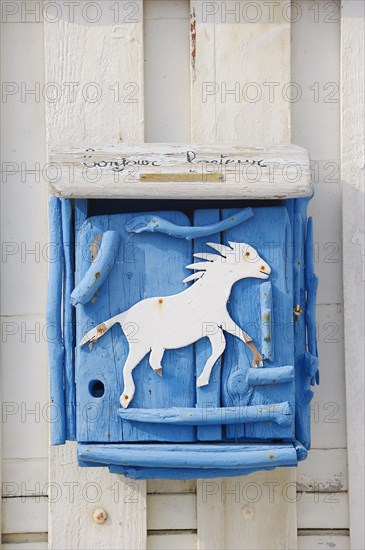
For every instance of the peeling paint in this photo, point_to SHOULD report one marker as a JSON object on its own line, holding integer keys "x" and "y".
{"x": 94, "y": 247}
{"x": 193, "y": 43}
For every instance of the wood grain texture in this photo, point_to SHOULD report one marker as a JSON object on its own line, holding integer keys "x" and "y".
{"x": 88, "y": 489}
{"x": 137, "y": 274}
{"x": 207, "y": 396}
{"x": 175, "y": 170}
{"x": 68, "y": 319}
{"x": 99, "y": 269}
{"x": 352, "y": 161}
{"x": 54, "y": 320}
{"x": 245, "y": 303}
{"x": 110, "y": 56}
{"x": 215, "y": 47}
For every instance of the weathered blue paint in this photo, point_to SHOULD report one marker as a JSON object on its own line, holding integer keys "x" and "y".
{"x": 208, "y": 397}
{"x": 98, "y": 270}
{"x": 170, "y": 410}
{"x": 68, "y": 319}
{"x": 311, "y": 281}
{"x": 303, "y": 366}
{"x": 147, "y": 265}
{"x": 54, "y": 325}
{"x": 173, "y": 467}
{"x": 280, "y": 413}
{"x": 269, "y": 231}
{"x": 200, "y": 456}
{"x": 266, "y": 376}
{"x": 157, "y": 224}
{"x": 181, "y": 473}
{"x": 266, "y": 321}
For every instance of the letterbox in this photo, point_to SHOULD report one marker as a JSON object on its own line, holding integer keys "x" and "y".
{"x": 183, "y": 296}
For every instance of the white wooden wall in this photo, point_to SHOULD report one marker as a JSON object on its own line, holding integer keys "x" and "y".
{"x": 167, "y": 105}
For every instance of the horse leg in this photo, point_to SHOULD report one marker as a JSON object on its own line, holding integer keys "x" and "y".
{"x": 218, "y": 344}
{"x": 135, "y": 356}
{"x": 235, "y": 330}
{"x": 155, "y": 360}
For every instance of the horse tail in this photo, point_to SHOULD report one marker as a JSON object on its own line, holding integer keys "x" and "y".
{"x": 94, "y": 334}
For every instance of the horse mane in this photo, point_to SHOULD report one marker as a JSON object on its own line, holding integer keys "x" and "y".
{"x": 202, "y": 267}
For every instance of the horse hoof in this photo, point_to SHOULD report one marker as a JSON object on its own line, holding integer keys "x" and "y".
{"x": 159, "y": 372}
{"x": 200, "y": 383}
{"x": 125, "y": 400}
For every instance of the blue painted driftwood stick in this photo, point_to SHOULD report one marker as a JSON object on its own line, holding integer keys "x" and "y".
{"x": 68, "y": 317}
{"x": 310, "y": 312}
{"x": 182, "y": 473}
{"x": 98, "y": 270}
{"x": 155, "y": 224}
{"x": 53, "y": 318}
{"x": 268, "y": 376}
{"x": 190, "y": 456}
{"x": 279, "y": 413}
{"x": 266, "y": 320}
{"x": 208, "y": 396}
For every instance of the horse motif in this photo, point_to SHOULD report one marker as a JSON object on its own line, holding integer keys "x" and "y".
{"x": 175, "y": 321}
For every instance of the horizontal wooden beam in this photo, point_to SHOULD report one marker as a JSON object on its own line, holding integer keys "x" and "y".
{"x": 181, "y": 171}
{"x": 196, "y": 455}
{"x": 280, "y": 413}
{"x": 266, "y": 376}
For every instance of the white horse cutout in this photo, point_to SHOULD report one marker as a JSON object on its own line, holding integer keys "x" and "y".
{"x": 172, "y": 322}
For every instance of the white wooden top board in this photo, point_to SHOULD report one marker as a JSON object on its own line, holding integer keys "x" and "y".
{"x": 163, "y": 171}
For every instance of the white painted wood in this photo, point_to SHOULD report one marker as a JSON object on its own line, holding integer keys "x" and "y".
{"x": 314, "y": 130}
{"x": 24, "y": 265}
{"x": 25, "y": 476}
{"x": 177, "y": 541}
{"x": 166, "y": 70}
{"x": 24, "y": 242}
{"x": 25, "y": 546}
{"x": 82, "y": 490}
{"x": 171, "y": 486}
{"x": 24, "y": 387}
{"x": 319, "y": 542}
{"x": 352, "y": 161}
{"x": 322, "y": 510}
{"x": 24, "y": 515}
{"x": 109, "y": 54}
{"x": 328, "y": 406}
{"x": 223, "y": 54}
{"x": 316, "y": 126}
{"x": 180, "y": 170}
{"x": 324, "y": 470}
{"x": 232, "y": 58}
{"x": 171, "y": 512}
{"x": 239, "y": 507}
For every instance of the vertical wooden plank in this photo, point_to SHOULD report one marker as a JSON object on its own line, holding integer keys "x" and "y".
{"x": 240, "y": 72}
{"x": 352, "y": 160}
{"x": 269, "y": 232}
{"x": 136, "y": 275}
{"x": 207, "y": 396}
{"x": 56, "y": 349}
{"x": 95, "y": 64}
{"x": 68, "y": 319}
{"x": 231, "y": 53}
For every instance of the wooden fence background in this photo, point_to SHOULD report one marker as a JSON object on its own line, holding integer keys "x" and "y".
{"x": 170, "y": 71}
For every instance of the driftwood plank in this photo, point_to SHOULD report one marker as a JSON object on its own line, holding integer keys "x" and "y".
{"x": 179, "y": 170}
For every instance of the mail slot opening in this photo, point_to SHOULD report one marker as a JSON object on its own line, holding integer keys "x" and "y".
{"x": 99, "y": 207}
{"x": 96, "y": 388}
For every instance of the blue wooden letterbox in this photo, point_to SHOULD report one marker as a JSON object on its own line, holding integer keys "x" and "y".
{"x": 184, "y": 294}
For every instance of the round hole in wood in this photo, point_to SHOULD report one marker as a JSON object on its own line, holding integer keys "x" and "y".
{"x": 96, "y": 388}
